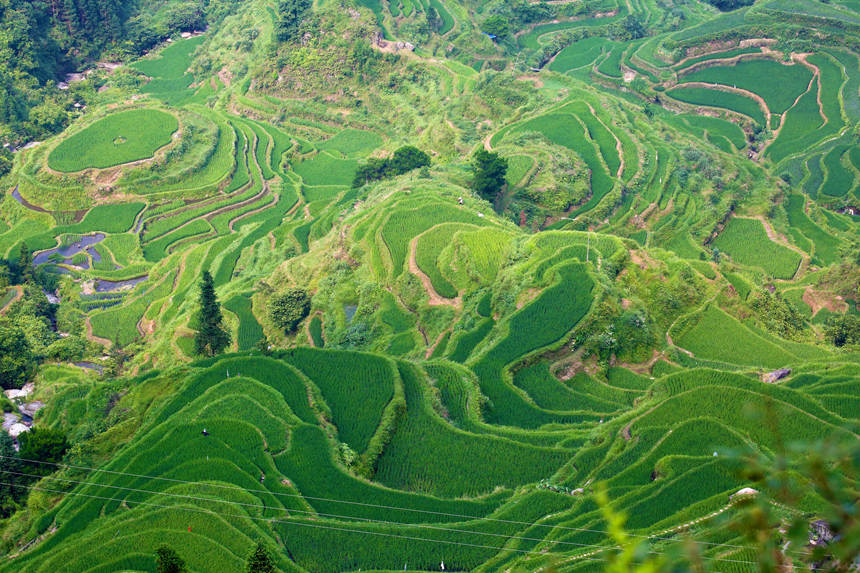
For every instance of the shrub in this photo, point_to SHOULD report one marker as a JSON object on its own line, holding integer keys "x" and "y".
{"x": 290, "y": 308}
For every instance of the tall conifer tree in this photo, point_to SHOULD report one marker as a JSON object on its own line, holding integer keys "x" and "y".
{"x": 211, "y": 338}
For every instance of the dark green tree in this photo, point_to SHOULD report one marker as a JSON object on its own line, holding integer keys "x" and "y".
{"x": 843, "y": 330}
{"x": 259, "y": 561}
{"x": 17, "y": 363}
{"x": 490, "y": 170}
{"x": 211, "y": 338}
{"x": 408, "y": 158}
{"x": 434, "y": 22}
{"x": 496, "y": 25}
{"x": 290, "y": 15}
{"x": 290, "y": 308}
{"x": 9, "y": 462}
{"x": 168, "y": 561}
{"x": 404, "y": 160}
{"x": 25, "y": 264}
{"x": 43, "y": 445}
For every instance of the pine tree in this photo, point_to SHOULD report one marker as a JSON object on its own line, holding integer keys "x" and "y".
{"x": 211, "y": 337}
{"x": 260, "y": 561}
{"x": 25, "y": 264}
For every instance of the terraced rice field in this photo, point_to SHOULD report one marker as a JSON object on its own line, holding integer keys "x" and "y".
{"x": 121, "y": 137}
{"x": 746, "y": 241}
{"x": 778, "y": 84}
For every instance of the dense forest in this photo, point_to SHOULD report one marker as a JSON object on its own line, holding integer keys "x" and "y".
{"x": 43, "y": 40}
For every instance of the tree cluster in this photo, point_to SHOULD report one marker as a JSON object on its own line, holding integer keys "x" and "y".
{"x": 290, "y": 16}
{"x": 404, "y": 160}
{"x": 40, "y": 450}
{"x": 728, "y": 5}
{"x": 42, "y": 40}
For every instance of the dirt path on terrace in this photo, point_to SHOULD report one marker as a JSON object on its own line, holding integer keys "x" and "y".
{"x": 720, "y": 87}
{"x": 90, "y": 336}
{"x": 816, "y": 78}
{"x": 253, "y": 212}
{"x": 777, "y": 238}
{"x": 618, "y": 146}
{"x": 644, "y": 367}
{"x": 145, "y": 327}
{"x": 487, "y": 145}
{"x": 716, "y": 62}
{"x": 435, "y": 298}
{"x": 818, "y": 300}
{"x": 432, "y": 349}
{"x": 19, "y": 292}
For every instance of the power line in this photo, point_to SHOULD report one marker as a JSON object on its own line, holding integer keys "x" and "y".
{"x": 347, "y": 517}
{"x": 344, "y": 529}
{"x": 313, "y": 513}
{"x": 373, "y": 505}
{"x": 287, "y": 522}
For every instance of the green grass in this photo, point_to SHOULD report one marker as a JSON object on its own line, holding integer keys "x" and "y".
{"x": 121, "y": 137}
{"x": 746, "y": 241}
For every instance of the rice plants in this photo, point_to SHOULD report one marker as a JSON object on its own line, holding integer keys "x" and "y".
{"x": 578, "y": 54}
{"x": 720, "y": 99}
{"x": 121, "y": 137}
{"x": 600, "y": 134}
{"x": 352, "y": 142}
{"x": 249, "y": 332}
{"x": 428, "y": 247}
{"x": 544, "y": 321}
{"x": 107, "y": 218}
{"x": 783, "y": 85}
{"x": 466, "y": 342}
{"x": 839, "y": 180}
{"x": 565, "y": 130}
{"x": 746, "y": 241}
{"x": 325, "y": 169}
{"x": 346, "y": 379}
{"x": 714, "y": 335}
{"x": 404, "y": 224}
{"x": 316, "y": 330}
{"x": 611, "y": 64}
{"x": 469, "y": 464}
{"x": 169, "y": 80}
{"x": 826, "y": 245}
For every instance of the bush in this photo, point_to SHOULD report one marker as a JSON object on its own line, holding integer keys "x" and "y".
{"x": 843, "y": 330}
{"x": 17, "y": 362}
{"x": 403, "y": 161}
{"x": 43, "y": 445}
{"x": 289, "y": 309}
